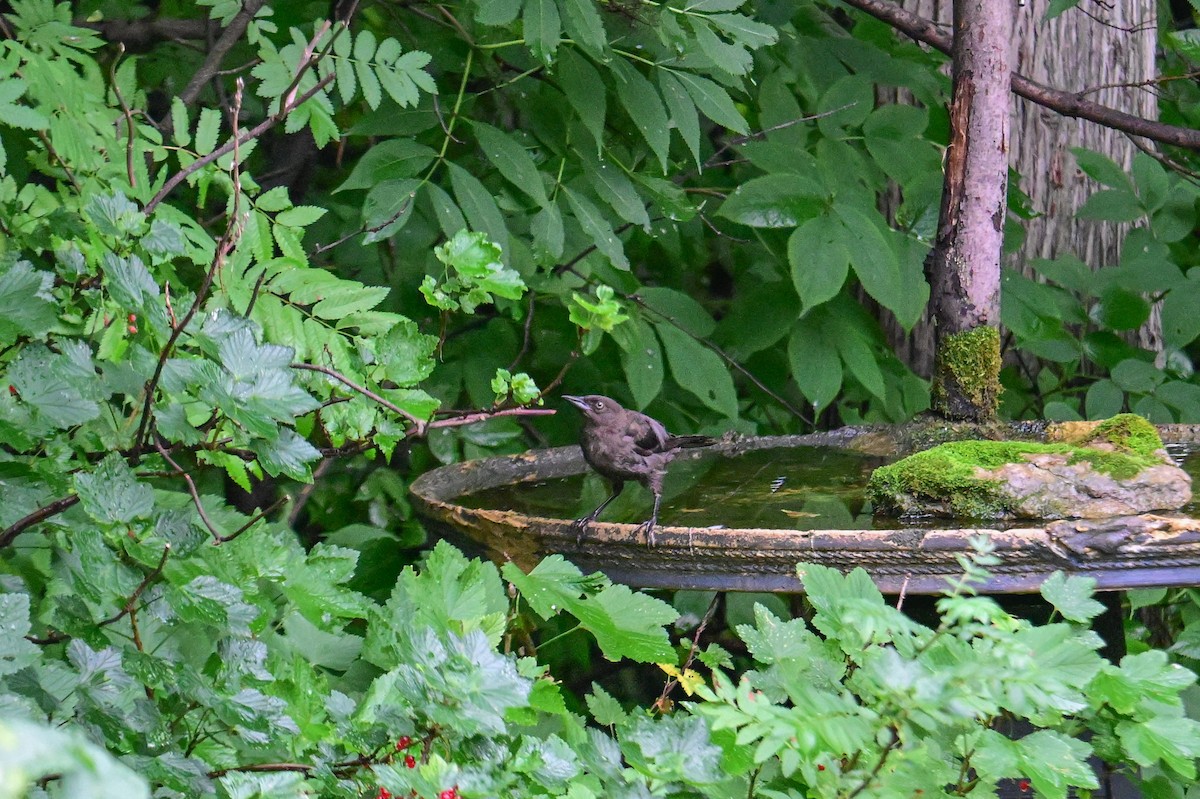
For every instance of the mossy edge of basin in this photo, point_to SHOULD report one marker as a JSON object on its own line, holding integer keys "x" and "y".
{"x": 1122, "y": 447}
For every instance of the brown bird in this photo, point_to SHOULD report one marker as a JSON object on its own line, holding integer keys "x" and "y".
{"x": 624, "y": 445}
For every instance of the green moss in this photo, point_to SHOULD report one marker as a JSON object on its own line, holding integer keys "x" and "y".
{"x": 1130, "y": 432}
{"x": 968, "y": 364}
{"x": 947, "y": 472}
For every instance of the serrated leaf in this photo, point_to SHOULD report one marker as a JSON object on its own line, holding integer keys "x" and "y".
{"x": 15, "y": 652}
{"x": 699, "y": 370}
{"x": 478, "y": 205}
{"x": 388, "y": 207}
{"x": 1072, "y": 596}
{"x": 682, "y": 110}
{"x": 406, "y": 354}
{"x": 615, "y": 188}
{"x": 597, "y": 228}
{"x": 585, "y": 26}
{"x": 512, "y": 160}
{"x": 300, "y": 216}
{"x": 585, "y": 91}
{"x": 54, "y": 392}
{"x": 27, "y": 305}
{"x": 111, "y": 494}
{"x": 645, "y": 107}
{"x": 390, "y": 159}
{"x": 207, "y": 130}
{"x": 543, "y": 29}
{"x": 714, "y": 101}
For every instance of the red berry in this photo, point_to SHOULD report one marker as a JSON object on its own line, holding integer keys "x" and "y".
{"x": 1023, "y": 785}
{"x": 820, "y": 767}
{"x": 12, "y": 390}
{"x": 410, "y": 761}
{"x": 133, "y": 317}
{"x": 133, "y": 328}
{"x": 403, "y": 743}
{"x": 449, "y": 793}
{"x": 384, "y": 793}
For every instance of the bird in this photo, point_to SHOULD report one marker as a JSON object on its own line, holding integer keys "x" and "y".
{"x": 623, "y": 445}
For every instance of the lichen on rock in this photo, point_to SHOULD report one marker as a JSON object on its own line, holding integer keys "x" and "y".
{"x": 1087, "y": 470}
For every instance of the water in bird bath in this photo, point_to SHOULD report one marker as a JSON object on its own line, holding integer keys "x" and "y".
{"x": 798, "y": 488}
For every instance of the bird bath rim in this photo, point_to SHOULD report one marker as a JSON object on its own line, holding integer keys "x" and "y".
{"x": 1128, "y": 552}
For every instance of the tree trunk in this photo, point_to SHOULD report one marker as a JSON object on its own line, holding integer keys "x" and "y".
{"x": 964, "y": 265}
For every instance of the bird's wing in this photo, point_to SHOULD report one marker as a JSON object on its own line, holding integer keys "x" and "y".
{"x": 648, "y": 434}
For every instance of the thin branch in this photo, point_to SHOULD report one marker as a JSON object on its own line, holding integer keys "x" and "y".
{"x": 224, "y": 43}
{"x": 366, "y": 392}
{"x": 128, "y": 117}
{"x": 224, "y": 246}
{"x": 131, "y": 603}
{"x": 661, "y": 704}
{"x": 191, "y": 484}
{"x": 482, "y": 416}
{"x": 253, "y": 133}
{"x": 1065, "y": 103}
{"x": 40, "y": 515}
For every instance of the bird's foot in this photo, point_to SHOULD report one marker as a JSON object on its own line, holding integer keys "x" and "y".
{"x": 581, "y": 526}
{"x": 647, "y": 527}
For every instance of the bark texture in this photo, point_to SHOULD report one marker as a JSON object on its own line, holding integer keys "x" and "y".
{"x": 964, "y": 265}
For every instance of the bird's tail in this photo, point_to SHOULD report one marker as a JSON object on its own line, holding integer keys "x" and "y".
{"x": 690, "y": 442}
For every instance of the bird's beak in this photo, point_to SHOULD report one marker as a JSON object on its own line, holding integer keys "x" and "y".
{"x": 578, "y": 402}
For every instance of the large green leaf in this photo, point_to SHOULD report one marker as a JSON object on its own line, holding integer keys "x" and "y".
{"x": 597, "y": 228}
{"x": 511, "y": 158}
{"x": 816, "y": 367}
{"x": 641, "y": 360}
{"x": 699, "y": 370}
{"x": 820, "y": 259}
{"x": 775, "y": 201}
{"x": 645, "y": 107}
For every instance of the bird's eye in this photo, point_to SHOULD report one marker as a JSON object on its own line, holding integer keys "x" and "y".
{"x": 599, "y": 405}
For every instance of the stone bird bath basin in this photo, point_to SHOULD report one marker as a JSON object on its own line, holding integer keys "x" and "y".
{"x": 739, "y": 517}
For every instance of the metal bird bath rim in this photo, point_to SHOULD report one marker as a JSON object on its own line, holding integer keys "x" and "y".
{"x": 1120, "y": 553}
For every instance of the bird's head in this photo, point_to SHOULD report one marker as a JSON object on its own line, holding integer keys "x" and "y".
{"x": 595, "y": 408}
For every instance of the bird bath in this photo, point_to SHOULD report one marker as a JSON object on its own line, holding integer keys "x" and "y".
{"x": 739, "y": 517}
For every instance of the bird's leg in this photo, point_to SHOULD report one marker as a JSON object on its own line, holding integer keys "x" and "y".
{"x": 649, "y": 524}
{"x": 581, "y": 525}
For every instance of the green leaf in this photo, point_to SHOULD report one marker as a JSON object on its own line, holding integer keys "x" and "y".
{"x": 597, "y": 228}
{"x": 388, "y": 207}
{"x": 820, "y": 260}
{"x": 27, "y": 306}
{"x": 875, "y": 262}
{"x": 1057, "y": 7}
{"x": 543, "y": 29}
{"x": 584, "y": 89}
{"x": 625, "y": 624}
{"x": 393, "y": 158}
{"x": 1102, "y": 169}
{"x": 679, "y": 309}
{"x": 1173, "y": 741}
{"x": 774, "y": 201}
{"x": 1111, "y": 205}
{"x": 478, "y": 205}
{"x": 615, "y": 188}
{"x": 496, "y": 12}
{"x": 1103, "y": 400}
{"x": 1152, "y": 182}
{"x": 1137, "y": 376}
{"x": 110, "y": 493}
{"x": 288, "y": 454}
{"x": 816, "y": 367}
{"x": 847, "y": 103}
{"x": 511, "y": 159}
{"x": 450, "y": 218}
{"x": 714, "y": 101}
{"x": 1054, "y": 763}
{"x": 699, "y": 370}
{"x": 682, "y": 111}
{"x": 641, "y": 360}
{"x": 406, "y": 354}
{"x": 1072, "y": 596}
{"x": 732, "y": 58}
{"x": 207, "y": 130}
{"x": 644, "y": 105}
{"x": 15, "y": 652}
{"x": 31, "y": 753}
{"x": 548, "y": 232}
{"x": 585, "y": 27}
{"x": 56, "y": 393}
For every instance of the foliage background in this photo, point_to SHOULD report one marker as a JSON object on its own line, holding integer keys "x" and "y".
{"x": 252, "y": 284}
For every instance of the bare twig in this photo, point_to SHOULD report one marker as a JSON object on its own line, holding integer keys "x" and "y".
{"x": 40, "y": 515}
{"x": 112, "y": 74}
{"x": 661, "y": 703}
{"x": 131, "y": 603}
{"x": 191, "y": 484}
{"x": 366, "y": 392}
{"x": 482, "y": 416}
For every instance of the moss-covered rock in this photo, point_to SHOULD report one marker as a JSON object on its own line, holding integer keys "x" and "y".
{"x": 1111, "y": 468}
